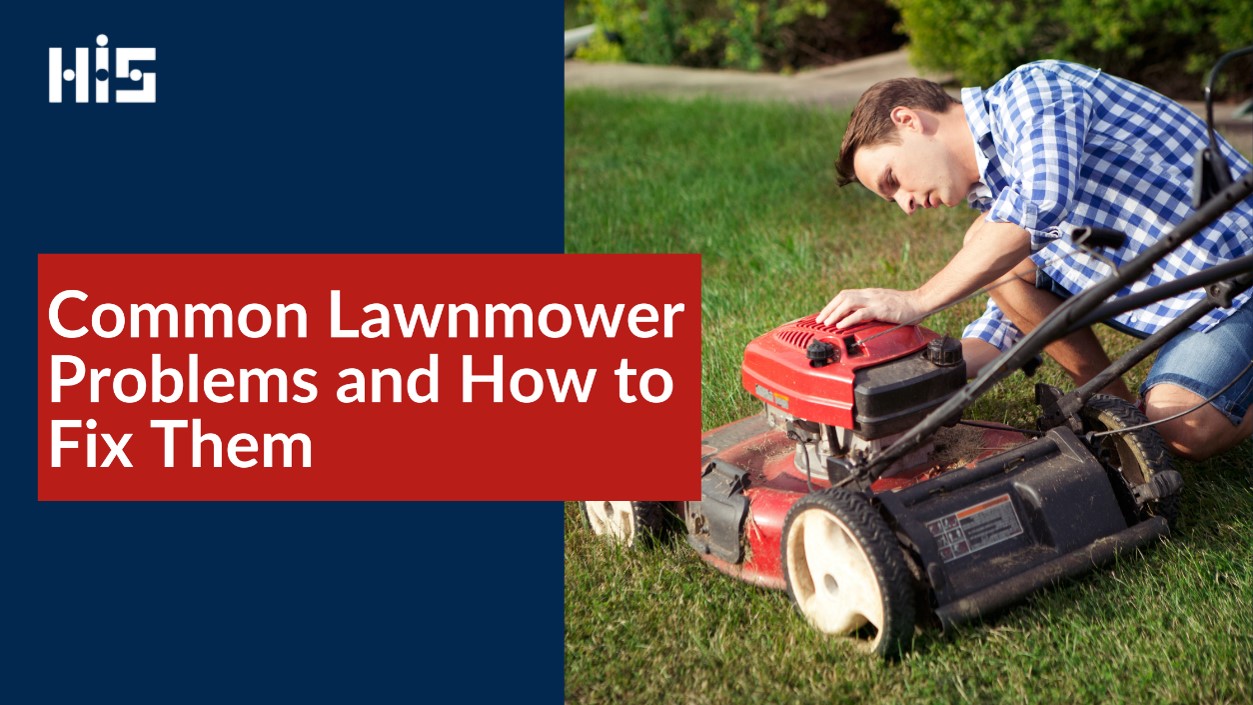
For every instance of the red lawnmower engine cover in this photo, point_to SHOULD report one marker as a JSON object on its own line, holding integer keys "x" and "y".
{"x": 875, "y": 378}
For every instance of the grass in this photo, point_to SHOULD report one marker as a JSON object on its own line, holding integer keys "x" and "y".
{"x": 750, "y": 187}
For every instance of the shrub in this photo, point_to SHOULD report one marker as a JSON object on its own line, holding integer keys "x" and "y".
{"x": 776, "y": 35}
{"x": 1167, "y": 45}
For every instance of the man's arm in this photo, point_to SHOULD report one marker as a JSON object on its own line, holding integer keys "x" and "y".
{"x": 990, "y": 250}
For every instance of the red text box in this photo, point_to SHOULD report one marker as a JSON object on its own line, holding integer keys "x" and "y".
{"x": 485, "y": 377}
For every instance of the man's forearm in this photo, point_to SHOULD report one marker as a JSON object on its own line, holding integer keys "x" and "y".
{"x": 990, "y": 250}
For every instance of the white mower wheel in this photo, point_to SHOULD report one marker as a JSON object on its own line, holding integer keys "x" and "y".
{"x": 628, "y": 523}
{"x": 845, "y": 571}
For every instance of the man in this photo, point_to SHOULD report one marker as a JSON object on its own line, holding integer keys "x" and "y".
{"x": 1050, "y": 147}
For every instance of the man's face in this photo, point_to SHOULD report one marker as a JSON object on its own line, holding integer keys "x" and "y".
{"x": 920, "y": 172}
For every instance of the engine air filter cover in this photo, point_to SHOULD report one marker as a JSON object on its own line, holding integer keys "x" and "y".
{"x": 892, "y": 397}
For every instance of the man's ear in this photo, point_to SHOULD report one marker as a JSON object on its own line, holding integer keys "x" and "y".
{"x": 906, "y": 119}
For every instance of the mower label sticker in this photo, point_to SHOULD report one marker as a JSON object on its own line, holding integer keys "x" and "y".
{"x": 975, "y": 528}
{"x": 778, "y": 400}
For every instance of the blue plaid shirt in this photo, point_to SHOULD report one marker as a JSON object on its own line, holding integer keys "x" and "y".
{"x": 1061, "y": 145}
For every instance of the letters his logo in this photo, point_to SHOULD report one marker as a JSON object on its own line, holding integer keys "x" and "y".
{"x": 81, "y": 75}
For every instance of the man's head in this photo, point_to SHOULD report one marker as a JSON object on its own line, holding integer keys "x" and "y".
{"x": 907, "y": 141}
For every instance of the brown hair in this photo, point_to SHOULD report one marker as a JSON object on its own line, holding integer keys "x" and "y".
{"x": 871, "y": 123}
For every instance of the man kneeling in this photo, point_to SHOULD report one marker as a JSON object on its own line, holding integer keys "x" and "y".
{"x": 1051, "y": 147}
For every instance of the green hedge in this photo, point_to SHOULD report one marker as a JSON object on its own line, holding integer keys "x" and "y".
{"x": 773, "y": 35}
{"x": 1165, "y": 44}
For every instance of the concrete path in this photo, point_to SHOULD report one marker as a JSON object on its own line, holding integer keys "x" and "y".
{"x": 837, "y": 86}
{"x": 834, "y": 86}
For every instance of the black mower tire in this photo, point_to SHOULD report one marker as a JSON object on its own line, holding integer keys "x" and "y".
{"x": 634, "y": 524}
{"x": 852, "y": 517}
{"x": 1133, "y": 457}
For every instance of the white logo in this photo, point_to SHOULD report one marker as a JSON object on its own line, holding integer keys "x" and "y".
{"x": 146, "y": 93}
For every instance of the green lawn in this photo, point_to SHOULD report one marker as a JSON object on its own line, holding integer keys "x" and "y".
{"x": 750, "y": 187}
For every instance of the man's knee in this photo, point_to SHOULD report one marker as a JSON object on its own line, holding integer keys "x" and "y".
{"x": 1198, "y": 435}
{"x": 1017, "y": 296}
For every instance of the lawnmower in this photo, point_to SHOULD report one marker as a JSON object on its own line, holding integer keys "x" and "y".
{"x": 861, "y": 491}
{"x": 971, "y": 519}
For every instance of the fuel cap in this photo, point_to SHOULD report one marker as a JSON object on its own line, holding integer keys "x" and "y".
{"x": 820, "y": 353}
{"x": 944, "y": 351}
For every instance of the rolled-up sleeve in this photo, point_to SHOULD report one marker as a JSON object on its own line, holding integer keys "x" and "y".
{"x": 993, "y": 328}
{"x": 1050, "y": 116}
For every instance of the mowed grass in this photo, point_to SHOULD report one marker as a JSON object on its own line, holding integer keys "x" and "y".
{"x": 750, "y": 187}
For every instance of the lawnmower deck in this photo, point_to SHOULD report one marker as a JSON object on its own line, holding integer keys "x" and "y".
{"x": 774, "y": 483}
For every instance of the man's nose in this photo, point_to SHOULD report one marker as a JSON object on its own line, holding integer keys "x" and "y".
{"x": 906, "y": 202}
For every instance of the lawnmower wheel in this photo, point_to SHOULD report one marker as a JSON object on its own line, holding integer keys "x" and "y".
{"x": 845, "y": 571}
{"x": 1136, "y": 456}
{"x": 629, "y": 523}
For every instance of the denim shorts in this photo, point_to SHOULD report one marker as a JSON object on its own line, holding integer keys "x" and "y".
{"x": 1201, "y": 363}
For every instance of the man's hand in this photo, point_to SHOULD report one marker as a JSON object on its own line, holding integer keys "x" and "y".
{"x": 853, "y": 306}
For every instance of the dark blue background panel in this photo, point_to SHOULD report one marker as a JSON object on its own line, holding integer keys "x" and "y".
{"x": 342, "y": 128}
